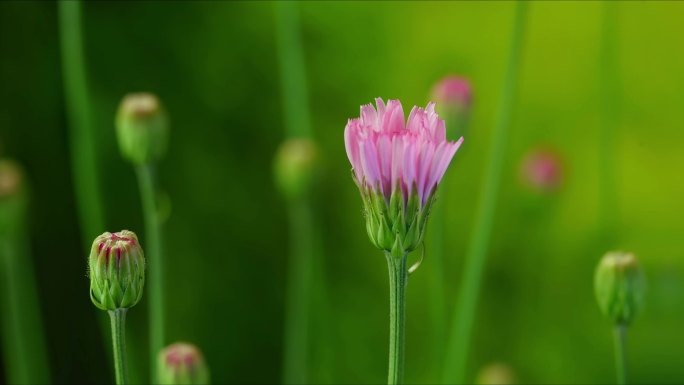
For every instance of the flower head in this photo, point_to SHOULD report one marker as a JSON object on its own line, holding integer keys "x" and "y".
{"x": 117, "y": 270}
{"x": 182, "y": 363}
{"x": 397, "y": 167}
{"x": 619, "y": 286}
{"x": 142, "y": 128}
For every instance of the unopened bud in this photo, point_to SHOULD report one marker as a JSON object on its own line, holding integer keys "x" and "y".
{"x": 496, "y": 373}
{"x": 619, "y": 284}
{"x": 117, "y": 271}
{"x": 142, "y": 128}
{"x": 541, "y": 170}
{"x": 453, "y": 95}
{"x": 182, "y": 363}
{"x": 13, "y": 195}
{"x": 295, "y": 166}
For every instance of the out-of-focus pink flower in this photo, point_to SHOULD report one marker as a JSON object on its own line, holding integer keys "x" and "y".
{"x": 453, "y": 90}
{"x": 541, "y": 170}
{"x": 387, "y": 154}
{"x": 397, "y": 167}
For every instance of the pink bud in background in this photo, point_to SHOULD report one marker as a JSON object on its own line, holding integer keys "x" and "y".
{"x": 453, "y": 95}
{"x": 541, "y": 169}
{"x": 453, "y": 90}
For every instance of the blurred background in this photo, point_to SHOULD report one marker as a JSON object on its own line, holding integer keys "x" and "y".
{"x": 215, "y": 67}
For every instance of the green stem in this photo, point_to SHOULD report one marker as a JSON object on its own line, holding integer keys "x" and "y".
{"x": 620, "y": 333}
{"x": 464, "y": 313}
{"x": 398, "y": 277}
{"x": 155, "y": 262}
{"x": 25, "y": 351}
{"x": 435, "y": 250}
{"x": 118, "y": 318}
{"x": 83, "y": 144}
{"x": 298, "y": 301}
{"x": 609, "y": 83}
{"x": 302, "y": 247}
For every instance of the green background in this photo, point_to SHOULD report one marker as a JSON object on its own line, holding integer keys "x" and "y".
{"x": 215, "y": 66}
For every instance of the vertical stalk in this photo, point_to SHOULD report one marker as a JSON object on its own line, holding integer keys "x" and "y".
{"x": 398, "y": 277}
{"x": 118, "y": 319}
{"x": 25, "y": 351}
{"x": 155, "y": 260}
{"x": 83, "y": 144}
{"x": 435, "y": 250}
{"x": 299, "y": 284}
{"x": 620, "y": 334}
{"x": 609, "y": 83}
{"x": 464, "y": 314}
{"x": 302, "y": 220}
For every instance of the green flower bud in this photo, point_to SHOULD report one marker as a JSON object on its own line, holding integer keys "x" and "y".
{"x": 497, "y": 373}
{"x": 142, "y": 128}
{"x": 295, "y": 166}
{"x": 117, "y": 271}
{"x": 182, "y": 363}
{"x": 13, "y": 196}
{"x": 619, "y": 284}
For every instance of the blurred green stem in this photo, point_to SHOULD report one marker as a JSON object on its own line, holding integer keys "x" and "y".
{"x": 435, "y": 250}
{"x": 299, "y": 284}
{"x": 118, "y": 318}
{"x": 398, "y": 277}
{"x": 609, "y": 83}
{"x": 302, "y": 248}
{"x": 83, "y": 148}
{"x": 620, "y": 333}
{"x": 153, "y": 251}
{"x": 464, "y": 314}
{"x": 25, "y": 352}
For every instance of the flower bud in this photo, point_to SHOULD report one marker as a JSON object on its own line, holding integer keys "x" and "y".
{"x": 453, "y": 95}
{"x": 142, "y": 128}
{"x": 117, "y": 271}
{"x": 496, "y": 373}
{"x": 619, "y": 285}
{"x": 13, "y": 195}
{"x": 295, "y": 166}
{"x": 182, "y": 363}
{"x": 541, "y": 170}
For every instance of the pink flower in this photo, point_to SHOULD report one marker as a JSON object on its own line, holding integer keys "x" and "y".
{"x": 387, "y": 154}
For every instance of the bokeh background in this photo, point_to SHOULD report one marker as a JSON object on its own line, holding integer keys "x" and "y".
{"x": 215, "y": 66}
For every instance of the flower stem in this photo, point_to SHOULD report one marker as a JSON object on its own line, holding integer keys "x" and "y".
{"x": 118, "y": 318}
{"x": 620, "y": 334}
{"x": 609, "y": 84}
{"x": 464, "y": 313}
{"x": 302, "y": 220}
{"x": 155, "y": 263}
{"x": 25, "y": 353}
{"x": 83, "y": 144}
{"x": 398, "y": 277}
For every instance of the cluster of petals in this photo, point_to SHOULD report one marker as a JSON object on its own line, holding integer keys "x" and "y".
{"x": 386, "y": 153}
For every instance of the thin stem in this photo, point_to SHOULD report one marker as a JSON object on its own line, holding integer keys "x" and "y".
{"x": 25, "y": 351}
{"x": 609, "y": 83}
{"x": 620, "y": 334}
{"x": 83, "y": 144}
{"x": 298, "y": 301}
{"x": 435, "y": 250}
{"x": 464, "y": 313}
{"x": 398, "y": 276}
{"x": 302, "y": 247}
{"x": 155, "y": 262}
{"x": 118, "y": 318}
